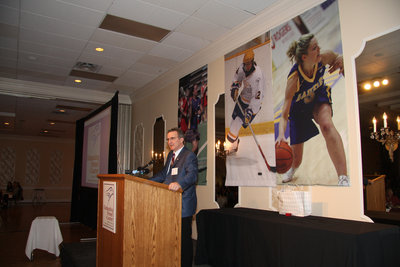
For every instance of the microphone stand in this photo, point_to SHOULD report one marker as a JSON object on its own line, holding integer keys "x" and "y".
{"x": 141, "y": 170}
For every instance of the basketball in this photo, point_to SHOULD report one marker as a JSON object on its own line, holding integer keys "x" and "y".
{"x": 284, "y": 157}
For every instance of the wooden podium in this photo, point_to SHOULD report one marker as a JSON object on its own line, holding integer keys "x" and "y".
{"x": 138, "y": 222}
{"x": 375, "y": 191}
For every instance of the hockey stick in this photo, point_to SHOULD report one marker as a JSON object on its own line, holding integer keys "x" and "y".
{"x": 270, "y": 168}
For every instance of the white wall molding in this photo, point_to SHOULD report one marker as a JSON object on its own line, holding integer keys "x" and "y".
{"x": 43, "y": 139}
{"x": 46, "y": 91}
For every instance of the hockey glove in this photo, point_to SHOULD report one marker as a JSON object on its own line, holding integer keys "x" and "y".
{"x": 248, "y": 116}
{"x": 235, "y": 91}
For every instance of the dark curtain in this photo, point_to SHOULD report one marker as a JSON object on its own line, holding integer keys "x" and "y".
{"x": 84, "y": 199}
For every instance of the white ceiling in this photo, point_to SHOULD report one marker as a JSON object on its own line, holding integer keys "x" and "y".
{"x": 380, "y": 59}
{"x": 42, "y": 40}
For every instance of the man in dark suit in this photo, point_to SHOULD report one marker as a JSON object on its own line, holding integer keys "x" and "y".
{"x": 180, "y": 171}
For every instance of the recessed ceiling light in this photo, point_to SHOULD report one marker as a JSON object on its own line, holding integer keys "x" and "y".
{"x": 78, "y": 81}
{"x": 99, "y": 49}
{"x": 367, "y": 86}
{"x": 376, "y": 83}
{"x": 385, "y": 81}
{"x": 52, "y": 123}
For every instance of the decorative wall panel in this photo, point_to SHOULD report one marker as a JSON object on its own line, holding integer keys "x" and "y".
{"x": 7, "y": 164}
{"x": 32, "y": 169}
{"x": 56, "y": 169}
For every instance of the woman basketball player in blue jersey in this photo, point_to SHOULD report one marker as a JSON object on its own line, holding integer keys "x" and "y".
{"x": 307, "y": 97}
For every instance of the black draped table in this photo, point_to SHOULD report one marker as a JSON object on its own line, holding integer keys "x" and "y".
{"x": 251, "y": 237}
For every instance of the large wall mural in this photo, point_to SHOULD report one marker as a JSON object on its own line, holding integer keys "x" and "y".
{"x": 287, "y": 87}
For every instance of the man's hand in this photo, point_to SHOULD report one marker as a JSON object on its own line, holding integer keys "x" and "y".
{"x": 174, "y": 186}
{"x": 248, "y": 115}
{"x": 235, "y": 90}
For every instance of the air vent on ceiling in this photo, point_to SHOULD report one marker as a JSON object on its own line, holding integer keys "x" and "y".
{"x": 84, "y": 66}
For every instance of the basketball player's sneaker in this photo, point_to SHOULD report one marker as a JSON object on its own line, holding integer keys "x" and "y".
{"x": 288, "y": 176}
{"x": 343, "y": 180}
{"x": 231, "y": 148}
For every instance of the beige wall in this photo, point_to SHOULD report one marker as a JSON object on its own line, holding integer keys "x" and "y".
{"x": 54, "y": 191}
{"x": 360, "y": 20}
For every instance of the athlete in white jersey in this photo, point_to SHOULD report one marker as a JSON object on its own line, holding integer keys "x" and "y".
{"x": 250, "y": 77}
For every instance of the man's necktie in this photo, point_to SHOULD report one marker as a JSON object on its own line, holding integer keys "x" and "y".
{"x": 172, "y": 159}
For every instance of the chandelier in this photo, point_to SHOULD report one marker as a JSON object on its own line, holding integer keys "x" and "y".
{"x": 387, "y": 137}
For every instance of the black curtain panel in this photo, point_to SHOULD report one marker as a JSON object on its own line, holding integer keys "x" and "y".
{"x": 84, "y": 199}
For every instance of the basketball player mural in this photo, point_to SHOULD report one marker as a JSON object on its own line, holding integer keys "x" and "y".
{"x": 251, "y": 79}
{"x": 308, "y": 98}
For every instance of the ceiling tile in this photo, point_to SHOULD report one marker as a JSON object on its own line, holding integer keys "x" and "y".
{"x": 108, "y": 37}
{"x": 186, "y": 7}
{"x": 44, "y": 76}
{"x": 158, "y": 61}
{"x": 9, "y": 15}
{"x": 170, "y": 52}
{"x": 55, "y": 26}
{"x": 8, "y": 31}
{"x": 147, "y": 13}
{"x": 9, "y": 43}
{"x": 100, "y": 5}
{"x": 86, "y": 83}
{"x": 182, "y": 40}
{"x": 112, "y": 51}
{"x": 110, "y": 70}
{"x": 200, "y": 28}
{"x": 148, "y": 69}
{"x": 222, "y": 15}
{"x": 10, "y": 63}
{"x": 51, "y": 39}
{"x": 10, "y": 3}
{"x": 102, "y": 36}
{"x": 138, "y": 44}
{"x": 42, "y": 49}
{"x": 108, "y": 61}
{"x": 45, "y": 60}
{"x": 8, "y": 54}
{"x": 64, "y": 11}
{"x": 28, "y": 65}
{"x": 253, "y": 6}
{"x": 34, "y": 76}
{"x": 134, "y": 79}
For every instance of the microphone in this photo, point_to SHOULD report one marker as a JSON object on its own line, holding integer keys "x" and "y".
{"x": 141, "y": 170}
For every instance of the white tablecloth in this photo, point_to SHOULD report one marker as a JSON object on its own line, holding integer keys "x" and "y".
{"x": 44, "y": 234}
